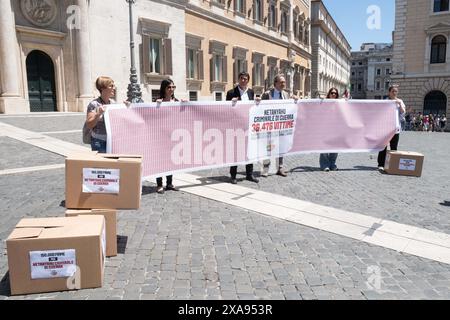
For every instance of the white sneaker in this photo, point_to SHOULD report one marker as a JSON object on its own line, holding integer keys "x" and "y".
{"x": 326, "y": 169}
{"x": 380, "y": 168}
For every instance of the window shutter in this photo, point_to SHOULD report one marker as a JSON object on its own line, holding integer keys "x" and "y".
{"x": 187, "y": 64}
{"x": 254, "y": 10}
{"x": 276, "y": 18}
{"x": 224, "y": 69}
{"x": 245, "y": 66}
{"x": 235, "y": 72}
{"x": 146, "y": 53}
{"x": 211, "y": 69}
{"x": 254, "y": 74}
{"x": 168, "y": 57}
{"x": 200, "y": 64}
{"x": 263, "y": 74}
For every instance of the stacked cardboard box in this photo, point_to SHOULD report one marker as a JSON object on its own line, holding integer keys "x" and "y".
{"x": 57, "y": 254}
{"x": 110, "y": 226}
{"x": 103, "y": 181}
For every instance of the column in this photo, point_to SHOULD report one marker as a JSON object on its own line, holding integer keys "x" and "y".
{"x": 8, "y": 56}
{"x": 11, "y": 99}
{"x": 302, "y": 81}
{"x": 84, "y": 58}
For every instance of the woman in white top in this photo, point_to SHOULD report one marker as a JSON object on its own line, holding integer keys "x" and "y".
{"x": 393, "y": 92}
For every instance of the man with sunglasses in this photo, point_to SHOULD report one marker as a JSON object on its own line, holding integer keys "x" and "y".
{"x": 276, "y": 93}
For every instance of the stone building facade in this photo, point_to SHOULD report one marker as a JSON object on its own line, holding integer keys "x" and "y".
{"x": 331, "y": 52}
{"x": 371, "y": 71}
{"x": 421, "y": 63}
{"x": 51, "y": 51}
{"x": 262, "y": 37}
{"x": 54, "y": 50}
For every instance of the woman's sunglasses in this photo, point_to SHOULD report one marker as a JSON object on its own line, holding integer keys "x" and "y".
{"x": 172, "y": 87}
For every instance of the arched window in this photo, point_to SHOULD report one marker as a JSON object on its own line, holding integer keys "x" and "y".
{"x": 435, "y": 102}
{"x": 438, "y": 49}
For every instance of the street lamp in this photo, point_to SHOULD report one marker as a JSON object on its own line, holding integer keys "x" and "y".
{"x": 134, "y": 89}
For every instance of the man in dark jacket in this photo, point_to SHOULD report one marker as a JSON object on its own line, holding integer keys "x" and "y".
{"x": 243, "y": 93}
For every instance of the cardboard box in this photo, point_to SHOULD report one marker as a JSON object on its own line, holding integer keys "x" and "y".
{"x": 404, "y": 163}
{"x": 110, "y": 226}
{"x": 56, "y": 254}
{"x": 103, "y": 181}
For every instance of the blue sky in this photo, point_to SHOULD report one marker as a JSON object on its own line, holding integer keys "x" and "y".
{"x": 351, "y": 16}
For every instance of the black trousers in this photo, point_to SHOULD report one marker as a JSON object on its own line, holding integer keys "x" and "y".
{"x": 159, "y": 181}
{"x": 248, "y": 170}
{"x": 382, "y": 154}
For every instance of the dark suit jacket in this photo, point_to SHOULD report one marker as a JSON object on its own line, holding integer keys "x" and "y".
{"x": 269, "y": 94}
{"x": 234, "y": 93}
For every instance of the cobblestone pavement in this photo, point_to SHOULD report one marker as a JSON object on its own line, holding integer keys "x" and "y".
{"x": 181, "y": 246}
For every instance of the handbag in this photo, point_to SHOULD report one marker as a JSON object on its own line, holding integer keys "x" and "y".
{"x": 86, "y": 134}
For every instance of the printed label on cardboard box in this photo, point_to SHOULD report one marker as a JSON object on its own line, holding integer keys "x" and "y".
{"x": 407, "y": 164}
{"x": 53, "y": 264}
{"x": 100, "y": 180}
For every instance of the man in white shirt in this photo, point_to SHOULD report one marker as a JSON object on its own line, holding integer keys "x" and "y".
{"x": 277, "y": 93}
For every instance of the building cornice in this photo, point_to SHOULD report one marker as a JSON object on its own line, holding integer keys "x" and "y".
{"x": 40, "y": 32}
{"x": 420, "y": 75}
{"x": 208, "y": 15}
{"x": 321, "y": 24}
{"x": 438, "y": 28}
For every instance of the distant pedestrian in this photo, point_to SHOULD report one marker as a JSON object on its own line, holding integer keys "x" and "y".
{"x": 443, "y": 122}
{"x": 426, "y": 123}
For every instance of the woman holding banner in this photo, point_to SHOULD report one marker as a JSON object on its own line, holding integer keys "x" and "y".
{"x": 328, "y": 160}
{"x": 166, "y": 94}
{"x": 94, "y": 116}
{"x": 393, "y": 92}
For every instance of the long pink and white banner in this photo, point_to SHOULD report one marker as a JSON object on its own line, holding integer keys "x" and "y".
{"x": 190, "y": 136}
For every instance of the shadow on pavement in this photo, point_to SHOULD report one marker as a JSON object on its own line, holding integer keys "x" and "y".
{"x": 445, "y": 203}
{"x": 122, "y": 244}
{"x": 305, "y": 168}
{"x": 311, "y": 169}
{"x": 148, "y": 190}
{"x": 5, "y": 289}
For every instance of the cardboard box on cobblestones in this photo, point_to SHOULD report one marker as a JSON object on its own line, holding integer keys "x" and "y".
{"x": 103, "y": 181}
{"x": 404, "y": 163}
{"x": 56, "y": 254}
{"x": 110, "y": 226}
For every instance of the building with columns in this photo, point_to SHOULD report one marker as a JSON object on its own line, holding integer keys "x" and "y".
{"x": 331, "y": 52}
{"x": 371, "y": 71}
{"x": 51, "y": 51}
{"x": 421, "y": 62}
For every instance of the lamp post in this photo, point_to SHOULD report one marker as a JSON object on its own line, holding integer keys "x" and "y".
{"x": 134, "y": 89}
